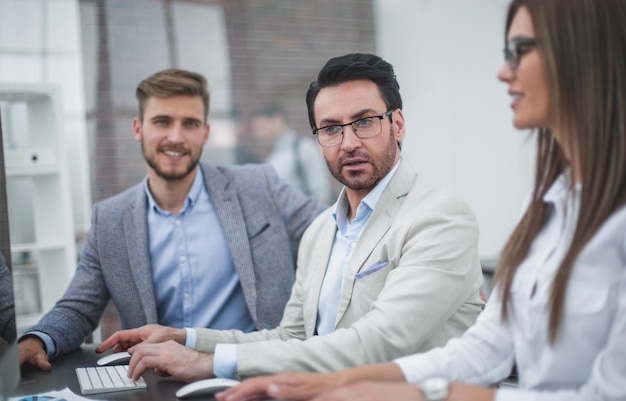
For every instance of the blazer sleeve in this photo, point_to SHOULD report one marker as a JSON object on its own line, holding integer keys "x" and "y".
{"x": 78, "y": 312}
{"x": 7, "y": 304}
{"x": 434, "y": 272}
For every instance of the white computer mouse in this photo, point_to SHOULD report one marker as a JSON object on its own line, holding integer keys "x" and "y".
{"x": 116, "y": 358}
{"x": 205, "y": 387}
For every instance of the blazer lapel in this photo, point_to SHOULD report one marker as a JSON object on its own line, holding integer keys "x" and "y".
{"x": 229, "y": 211}
{"x": 379, "y": 223}
{"x": 138, "y": 250}
{"x": 315, "y": 278}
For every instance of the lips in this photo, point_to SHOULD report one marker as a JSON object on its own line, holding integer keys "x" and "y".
{"x": 517, "y": 97}
{"x": 353, "y": 162}
{"x": 174, "y": 152}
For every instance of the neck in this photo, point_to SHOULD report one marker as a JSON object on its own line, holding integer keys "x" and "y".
{"x": 170, "y": 195}
{"x": 354, "y": 199}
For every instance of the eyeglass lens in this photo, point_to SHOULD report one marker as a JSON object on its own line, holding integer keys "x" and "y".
{"x": 363, "y": 128}
{"x": 515, "y": 49}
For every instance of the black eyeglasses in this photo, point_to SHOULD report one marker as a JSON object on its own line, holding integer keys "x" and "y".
{"x": 515, "y": 49}
{"x": 363, "y": 128}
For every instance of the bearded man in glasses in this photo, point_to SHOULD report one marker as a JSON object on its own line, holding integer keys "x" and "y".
{"x": 391, "y": 269}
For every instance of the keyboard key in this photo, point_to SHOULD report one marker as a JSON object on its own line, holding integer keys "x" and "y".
{"x": 106, "y": 379}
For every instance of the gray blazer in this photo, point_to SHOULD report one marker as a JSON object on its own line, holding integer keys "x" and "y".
{"x": 412, "y": 284}
{"x": 7, "y": 304}
{"x": 262, "y": 217}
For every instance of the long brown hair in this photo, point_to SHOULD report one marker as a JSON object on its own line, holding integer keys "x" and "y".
{"x": 582, "y": 44}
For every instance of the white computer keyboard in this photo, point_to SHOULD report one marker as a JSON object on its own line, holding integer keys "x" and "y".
{"x": 106, "y": 379}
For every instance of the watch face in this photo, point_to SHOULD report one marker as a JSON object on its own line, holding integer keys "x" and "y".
{"x": 435, "y": 388}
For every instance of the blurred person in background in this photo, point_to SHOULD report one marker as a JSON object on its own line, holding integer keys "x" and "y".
{"x": 295, "y": 158}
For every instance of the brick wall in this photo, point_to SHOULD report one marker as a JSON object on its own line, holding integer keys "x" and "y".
{"x": 278, "y": 46}
{"x": 275, "y": 49}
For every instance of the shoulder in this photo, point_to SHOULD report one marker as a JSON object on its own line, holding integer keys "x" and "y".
{"x": 240, "y": 175}
{"x": 432, "y": 196}
{"x": 252, "y": 184}
{"x": 121, "y": 202}
{"x": 417, "y": 194}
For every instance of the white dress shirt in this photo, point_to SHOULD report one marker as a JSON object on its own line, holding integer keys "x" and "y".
{"x": 588, "y": 360}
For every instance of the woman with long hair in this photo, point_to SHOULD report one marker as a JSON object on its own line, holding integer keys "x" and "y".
{"x": 558, "y": 310}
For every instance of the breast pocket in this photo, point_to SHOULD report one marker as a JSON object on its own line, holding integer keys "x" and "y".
{"x": 590, "y": 305}
{"x": 368, "y": 284}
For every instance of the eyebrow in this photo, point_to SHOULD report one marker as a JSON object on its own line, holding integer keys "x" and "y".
{"x": 520, "y": 36}
{"x": 358, "y": 115}
{"x": 168, "y": 117}
{"x": 160, "y": 116}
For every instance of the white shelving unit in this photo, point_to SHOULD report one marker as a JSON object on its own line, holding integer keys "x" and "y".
{"x": 43, "y": 249}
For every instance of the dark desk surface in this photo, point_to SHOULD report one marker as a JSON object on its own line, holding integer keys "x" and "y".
{"x": 63, "y": 374}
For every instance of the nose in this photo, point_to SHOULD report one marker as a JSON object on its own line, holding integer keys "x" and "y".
{"x": 505, "y": 74}
{"x": 175, "y": 134}
{"x": 350, "y": 140}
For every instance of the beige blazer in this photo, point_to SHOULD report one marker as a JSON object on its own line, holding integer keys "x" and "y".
{"x": 412, "y": 284}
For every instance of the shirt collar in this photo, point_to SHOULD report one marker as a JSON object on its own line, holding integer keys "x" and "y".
{"x": 340, "y": 214}
{"x": 561, "y": 188}
{"x": 190, "y": 200}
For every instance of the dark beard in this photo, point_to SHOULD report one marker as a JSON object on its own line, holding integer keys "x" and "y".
{"x": 173, "y": 176}
{"x": 380, "y": 171}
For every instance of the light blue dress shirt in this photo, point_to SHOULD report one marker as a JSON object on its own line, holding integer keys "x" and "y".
{"x": 348, "y": 233}
{"x": 194, "y": 279}
{"x": 195, "y": 282}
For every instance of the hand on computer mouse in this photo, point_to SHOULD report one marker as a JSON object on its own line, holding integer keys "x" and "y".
{"x": 31, "y": 350}
{"x": 151, "y": 333}
{"x": 285, "y": 385}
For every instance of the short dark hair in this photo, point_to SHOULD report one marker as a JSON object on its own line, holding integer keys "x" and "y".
{"x": 352, "y": 67}
{"x": 172, "y": 82}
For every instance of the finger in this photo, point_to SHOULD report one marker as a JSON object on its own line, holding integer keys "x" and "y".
{"x": 42, "y": 362}
{"x": 108, "y": 343}
{"x": 143, "y": 357}
{"x": 291, "y": 392}
{"x": 135, "y": 373}
{"x": 249, "y": 390}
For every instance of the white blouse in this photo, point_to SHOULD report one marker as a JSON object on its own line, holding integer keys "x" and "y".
{"x": 588, "y": 360}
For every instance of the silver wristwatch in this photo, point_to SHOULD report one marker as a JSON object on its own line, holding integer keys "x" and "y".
{"x": 435, "y": 388}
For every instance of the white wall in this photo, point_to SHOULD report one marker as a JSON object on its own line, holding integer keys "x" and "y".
{"x": 446, "y": 54}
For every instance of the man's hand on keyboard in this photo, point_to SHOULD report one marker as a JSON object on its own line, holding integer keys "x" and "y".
{"x": 151, "y": 333}
{"x": 170, "y": 358}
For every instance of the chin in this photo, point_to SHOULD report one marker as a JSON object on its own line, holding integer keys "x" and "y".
{"x": 523, "y": 125}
